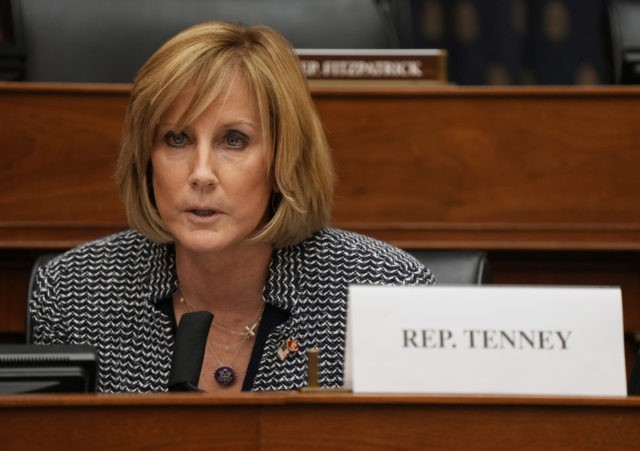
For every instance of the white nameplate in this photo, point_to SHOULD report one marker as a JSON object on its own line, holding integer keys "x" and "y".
{"x": 486, "y": 340}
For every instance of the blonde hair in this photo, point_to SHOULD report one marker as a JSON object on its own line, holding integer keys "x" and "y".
{"x": 205, "y": 58}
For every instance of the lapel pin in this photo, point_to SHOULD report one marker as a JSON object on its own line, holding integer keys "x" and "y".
{"x": 287, "y": 347}
{"x": 293, "y": 345}
{"x": 283, "y": 351}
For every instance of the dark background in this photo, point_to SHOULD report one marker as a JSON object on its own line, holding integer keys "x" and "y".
{"x": 498, "y": 42}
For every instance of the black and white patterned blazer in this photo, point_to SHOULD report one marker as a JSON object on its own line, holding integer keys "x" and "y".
{"x": 105, "y": 292}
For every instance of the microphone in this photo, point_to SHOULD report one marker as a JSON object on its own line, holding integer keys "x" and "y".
{"x": 188, "y": 351}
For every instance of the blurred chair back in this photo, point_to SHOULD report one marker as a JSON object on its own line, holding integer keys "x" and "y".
{"x": 11, "y": 41}
{"x": 633, "y": 387}
{"x": 624, "y": 28}
{"x": 455, "y": 267}
{"x": 108, "y": 41}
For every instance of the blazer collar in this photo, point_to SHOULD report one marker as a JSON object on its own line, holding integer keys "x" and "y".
{"x": 281, "y": 287}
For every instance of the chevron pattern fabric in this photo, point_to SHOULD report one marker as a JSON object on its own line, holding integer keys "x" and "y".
{"x": 105, "y": 293}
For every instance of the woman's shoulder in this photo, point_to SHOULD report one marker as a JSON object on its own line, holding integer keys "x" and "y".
{"x": 351, "y": 244}
{"x": 117, "y": 252}
{"x": 365, "y": 255}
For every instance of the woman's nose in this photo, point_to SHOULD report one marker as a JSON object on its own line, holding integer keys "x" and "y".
{"x": 203, "y": 174}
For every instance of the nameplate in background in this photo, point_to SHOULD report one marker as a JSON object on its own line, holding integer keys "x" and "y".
{"x": 486, "y": 340}
{"x": 404, "y": 65}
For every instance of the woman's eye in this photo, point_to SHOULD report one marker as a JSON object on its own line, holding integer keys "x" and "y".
{"x": 236, "y": 140}
{"x": 175, "y": 139}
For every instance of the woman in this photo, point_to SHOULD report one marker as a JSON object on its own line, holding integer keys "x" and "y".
{"x": 227, "y": 181}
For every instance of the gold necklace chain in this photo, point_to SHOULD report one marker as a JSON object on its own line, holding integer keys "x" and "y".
{"x": 225, "y": 375}
{"x": 249, "y": 331}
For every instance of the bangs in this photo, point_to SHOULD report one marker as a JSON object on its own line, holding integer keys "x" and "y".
{"x": 204, "y": 82}
{"x": 209, "y": 82}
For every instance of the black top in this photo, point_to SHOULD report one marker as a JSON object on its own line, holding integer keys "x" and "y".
{"x": 272, "y": 317}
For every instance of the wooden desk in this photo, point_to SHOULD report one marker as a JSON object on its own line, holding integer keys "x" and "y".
{"x": 544, "y": 178}
{"x": 282, "y": 421}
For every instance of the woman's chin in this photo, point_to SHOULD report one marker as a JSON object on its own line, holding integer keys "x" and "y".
{"x": 207, "y": 242}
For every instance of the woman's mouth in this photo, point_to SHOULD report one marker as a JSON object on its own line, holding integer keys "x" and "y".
{"x": 202, "y": 213}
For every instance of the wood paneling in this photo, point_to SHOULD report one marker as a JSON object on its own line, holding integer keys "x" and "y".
{"x": 495, "y": 168}
{"x": 489, "y": 168}
{"x": 59, "y": 149}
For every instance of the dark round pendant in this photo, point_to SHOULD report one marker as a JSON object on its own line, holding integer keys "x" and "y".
{"x": 224, "y": 375}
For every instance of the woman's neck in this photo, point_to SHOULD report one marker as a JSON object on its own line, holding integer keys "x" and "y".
{"x": 229, "y": 283}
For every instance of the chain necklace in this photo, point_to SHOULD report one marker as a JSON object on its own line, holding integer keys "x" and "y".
{"x": 225, "y": 375}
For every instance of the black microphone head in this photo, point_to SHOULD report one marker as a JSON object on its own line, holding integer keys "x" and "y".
{"x": 188, "y": 350}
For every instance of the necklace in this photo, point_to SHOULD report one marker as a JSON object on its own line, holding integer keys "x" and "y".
{"x": 225, "y": 375}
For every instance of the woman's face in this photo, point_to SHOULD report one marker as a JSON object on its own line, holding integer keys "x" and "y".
{"x": 211, "y": 178}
